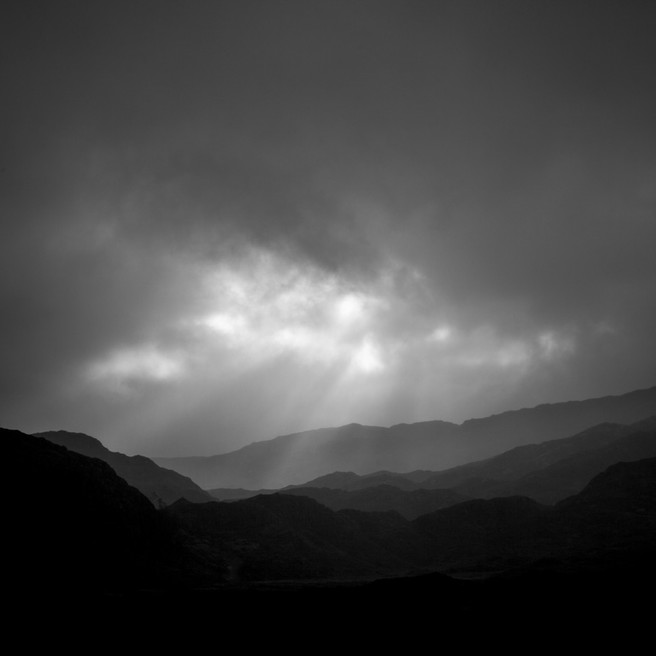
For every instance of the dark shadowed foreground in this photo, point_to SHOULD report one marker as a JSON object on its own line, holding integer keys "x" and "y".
{"x": 80, "y": 538}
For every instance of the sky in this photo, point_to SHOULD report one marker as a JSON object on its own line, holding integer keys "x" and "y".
{"x": 225, "y": 221}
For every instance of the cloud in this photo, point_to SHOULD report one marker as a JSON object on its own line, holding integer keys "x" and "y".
{"x": 122, "y": 367}
{"x": 229, "y": 221}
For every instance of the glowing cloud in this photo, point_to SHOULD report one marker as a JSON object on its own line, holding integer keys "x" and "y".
{"x": 315, "y": 348}
{"x": 273, "y": 307}
{"x": 367, "y": 358}
{"x": 441, "y": 334}
{"x": 135, "y": 364}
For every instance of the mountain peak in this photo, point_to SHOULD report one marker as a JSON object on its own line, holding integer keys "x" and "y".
{"x": 78, "y": 442}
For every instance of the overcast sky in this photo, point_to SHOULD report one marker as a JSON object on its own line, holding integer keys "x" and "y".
{"x": 226, "y": 221}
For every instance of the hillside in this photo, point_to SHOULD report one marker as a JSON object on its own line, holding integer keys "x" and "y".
{"x": 71, "y": 522}
{"x": 379, "y": 498}
{"x": 297, "y": 458}
{"x": 162, "y": 486}
{"x": 283, "y": 536}
{"x": 552, "y": 471}
{"x": 278, "y": 537}
{"x": 79, "y": 529}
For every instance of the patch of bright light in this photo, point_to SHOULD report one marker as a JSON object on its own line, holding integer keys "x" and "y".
{"x": 145, "y": 363}
{"x": 273, "y": 307}
{"x": 552, "y": 345}
{"x": 367, "y": 358}
{"x": 441, "y": 334}
{"x": 349, "y": 309}
{"x": 512, "y": 355}
{"x": 227, "y": 324}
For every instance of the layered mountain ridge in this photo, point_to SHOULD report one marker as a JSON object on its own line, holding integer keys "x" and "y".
{"x": 74, "y": 525}
{"x": 434, "y": 445}
{"x": 162, "y": 486}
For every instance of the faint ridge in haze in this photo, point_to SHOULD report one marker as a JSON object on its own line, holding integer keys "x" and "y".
{"x": 547, "y": 472}
{"x": 437, "y": 445}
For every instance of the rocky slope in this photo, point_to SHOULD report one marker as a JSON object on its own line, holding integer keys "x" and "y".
{"x": 162, "y": 486}
{"x": 72, "y": 523}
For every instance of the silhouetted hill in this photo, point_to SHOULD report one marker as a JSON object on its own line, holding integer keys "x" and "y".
{"x": 547, "y": 472}
{"x": 72, "y": 523}
{"x": 294, "y": 459}
{"x": 570, "y": 475}
{"x": 278, "y": 536}
{"x": 613, "y": 520}
{"x": 516, "y": 463}
{"x": 488, "y": 478}
{"x": 236, "y": 493}
{"x": 379, "y": 498}
{"x": 336, "y": 481}
{"x": 351, "y": 481}
{"x": 79, "y": 526}
{"x": 613, "y": 517}
{"x": 281, "y": 536}
{"x": 489, "y": 534}
{"x": 625, "y": 487}
{"x": 161, "y": 486}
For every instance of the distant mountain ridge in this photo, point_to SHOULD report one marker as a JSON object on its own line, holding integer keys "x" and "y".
{"x": 433, "y": 445}
{"x": 379, "y": 498}
{"x": 162, "y": 486}
{"x": 547, "y": 472}
{"x": 570, "y": 475}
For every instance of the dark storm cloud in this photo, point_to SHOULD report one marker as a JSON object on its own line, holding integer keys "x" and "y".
{"x": 504, "y": 152}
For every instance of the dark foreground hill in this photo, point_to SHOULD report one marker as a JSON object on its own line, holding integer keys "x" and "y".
{"x": 433, "y": 445}
{"x": 281, "y": 537}
{"x": 161, "y": 486}
{"x": 408, "y": 503}
{"x": 91, "y": 531}
{"x": 71, "y": 523}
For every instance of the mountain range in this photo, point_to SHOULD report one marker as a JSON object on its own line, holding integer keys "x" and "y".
{"x": 547, "y": 472}
{"x": 91, "y": 518}
{"x": 282, "y": 537}
{"x": 162, "y": 486}
{"x": 378, "y": 498}
{"x": 76, "y": 528}
{"x": 73, "y": 524}
{"x": 433, "y": 445}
